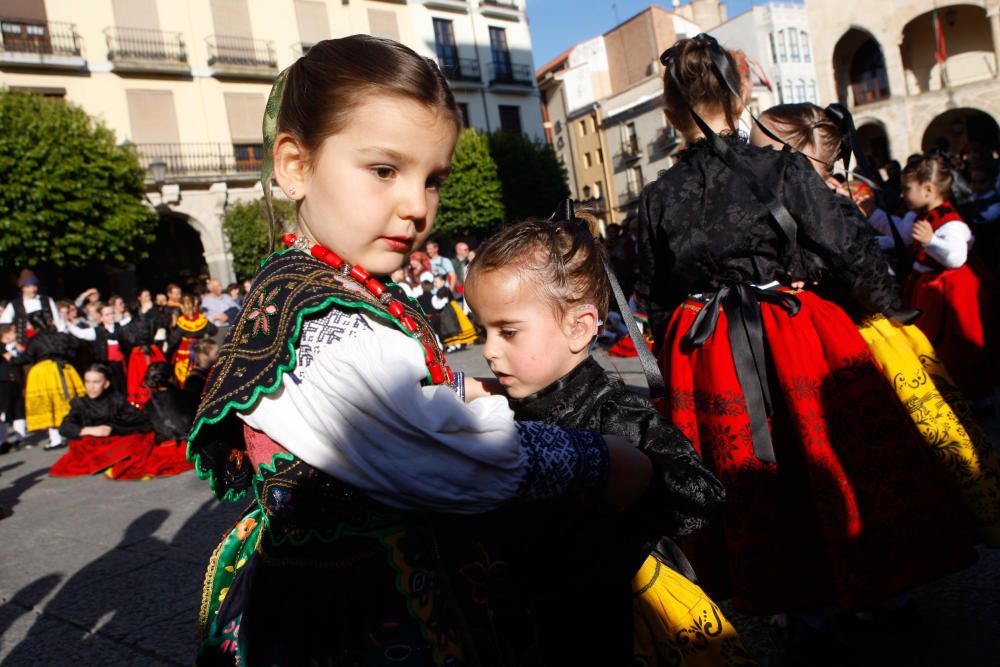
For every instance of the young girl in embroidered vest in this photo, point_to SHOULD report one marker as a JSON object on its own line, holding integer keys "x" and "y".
{"x": 776, "y": 388}
{"x": 903, "y": 352}
{"x": 953, "y": 299}
{"x": 191, "y": 325}
{"x": 101, "y": 428}
{"x": 539, "y": 289}
{"x": 332, "y": 402}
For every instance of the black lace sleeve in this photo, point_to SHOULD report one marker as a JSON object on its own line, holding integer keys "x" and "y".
{"x": 840, "y": 237}
{"x": 654, "y": 270}
{"x": 684, "y": 495}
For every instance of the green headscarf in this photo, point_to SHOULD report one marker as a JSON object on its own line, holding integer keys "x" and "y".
{"x": 270, "y": 131}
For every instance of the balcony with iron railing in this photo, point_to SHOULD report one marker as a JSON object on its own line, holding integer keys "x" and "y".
{"x": 29, "y": 43}
{"x": 507, "y": 73}
{"x": 501, "y": 9}
{"x": 142, "y": 50}
{"x": 630, "y": 148}
{"x": 201, "y": 162}
{"x": 630, "y": 194}
{"x": 241, "y": 57}
{"x": 460, "y": 69}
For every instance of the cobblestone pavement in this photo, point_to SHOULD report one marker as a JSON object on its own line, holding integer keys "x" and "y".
{"x": 94, "y": 572}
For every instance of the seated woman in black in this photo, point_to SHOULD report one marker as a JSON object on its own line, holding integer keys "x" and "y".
{"x": 102, "y": 427}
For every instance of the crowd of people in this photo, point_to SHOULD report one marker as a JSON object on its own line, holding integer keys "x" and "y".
{"x": 812, "y": 457}
{"x": 117, "y": 383}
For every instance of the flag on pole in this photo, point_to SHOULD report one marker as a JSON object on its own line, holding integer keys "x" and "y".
{"x": 940, "y": 51}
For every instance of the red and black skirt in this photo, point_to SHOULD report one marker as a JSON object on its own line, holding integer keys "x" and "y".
{"x": 956, "y": 314}
{"x": 849, "y": 507}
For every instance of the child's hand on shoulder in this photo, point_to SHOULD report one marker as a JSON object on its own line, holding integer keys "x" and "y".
{"x": 922, "y": 231}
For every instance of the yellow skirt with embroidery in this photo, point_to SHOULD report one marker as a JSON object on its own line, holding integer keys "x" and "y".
{"x": 676, "y": 624}
{"x": 467, "y": 332}
{"x": 46, "y": 400}
{"x": 943, "y": 416}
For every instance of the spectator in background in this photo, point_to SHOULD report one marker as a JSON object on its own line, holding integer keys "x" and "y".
{"x": 91, "y": 295}
{"x": 205, "y": 353}
{"x": 235, "y": 293}
{"x": 19, "y": 310}
{"x": 418, "y": 270}
{"x": 219, "y": 308}
{"x": 461, "y": 265}
{"x": 121, "y": 311}
{"x": 441, "y": 266}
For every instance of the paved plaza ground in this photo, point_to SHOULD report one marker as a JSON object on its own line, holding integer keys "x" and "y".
{"x": 94, "y": 572}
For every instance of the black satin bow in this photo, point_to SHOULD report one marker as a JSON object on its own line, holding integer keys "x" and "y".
{"x": 745, "y": 328}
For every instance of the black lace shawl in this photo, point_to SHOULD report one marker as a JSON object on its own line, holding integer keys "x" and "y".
{"x": 700, "y": 227}
{"x": 684, "y": 495}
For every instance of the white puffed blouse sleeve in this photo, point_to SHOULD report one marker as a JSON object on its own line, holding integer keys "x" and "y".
{"x": 354, "y": 407}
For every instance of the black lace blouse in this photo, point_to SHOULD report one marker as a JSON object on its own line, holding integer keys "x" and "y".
{"x": 684, "y": 494}
{"x": 700, "y": 227}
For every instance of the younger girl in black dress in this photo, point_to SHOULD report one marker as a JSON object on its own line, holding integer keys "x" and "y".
{"x": 539, "y": 289}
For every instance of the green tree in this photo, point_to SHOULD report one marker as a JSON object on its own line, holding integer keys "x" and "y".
{"x": 69, "y": 195}
{"x": 471, "y": 198}
{"x": 245, "y": 225}
{"x": 533, "y": 180}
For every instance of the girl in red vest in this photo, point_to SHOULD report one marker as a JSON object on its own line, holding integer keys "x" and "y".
{"x": 951, "y": 296}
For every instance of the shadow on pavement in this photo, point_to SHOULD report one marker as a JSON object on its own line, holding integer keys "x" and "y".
{"x": 10, "y": 495}
{"x": 135, "y": 604}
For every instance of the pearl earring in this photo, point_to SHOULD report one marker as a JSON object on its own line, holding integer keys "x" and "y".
{"x": 291, "y": 190}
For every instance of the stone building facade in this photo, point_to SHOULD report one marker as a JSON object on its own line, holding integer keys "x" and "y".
{"x": 185, "y": 82}
{"x": 881, "y": 59}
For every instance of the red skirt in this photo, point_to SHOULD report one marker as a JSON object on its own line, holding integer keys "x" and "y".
{"x": 955, "y": 312}
{"x": 90, "y": 455}
{"x": 856, "y": 508}
{"x": 154, "y": 460}
{"x": 138, "y": 361}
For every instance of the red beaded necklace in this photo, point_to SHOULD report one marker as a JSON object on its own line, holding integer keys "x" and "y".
{"x": 439, "y": 371}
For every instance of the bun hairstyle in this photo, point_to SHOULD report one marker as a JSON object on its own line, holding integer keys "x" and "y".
{"x": 808, "y": 129}
{"x": 560, "y": 259}
{"x": 934, "y": 169}
{"x": 698, "y": 85}
{"x": 323, "y": 87}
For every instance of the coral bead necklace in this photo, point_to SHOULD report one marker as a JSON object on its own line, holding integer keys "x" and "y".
{"x": 439, "y": 372}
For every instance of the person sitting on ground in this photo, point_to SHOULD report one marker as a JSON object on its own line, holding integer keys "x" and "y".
{"x": 101, "y": 427}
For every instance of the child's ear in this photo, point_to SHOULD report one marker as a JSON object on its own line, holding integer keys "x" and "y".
{"x": 581, "y": 324}
{"x": 291, "y": 166}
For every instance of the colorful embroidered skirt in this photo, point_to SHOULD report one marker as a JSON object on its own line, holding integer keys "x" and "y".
{"x": 138, "y": 361}
{"x": 459, "y": 330}
{"x": 955, "y": 316}
{"x": 855, "y": 509}
{"x": 47, "y": 393}
{"x": 677, "y": 625}
{"x": 937, "y": 408}
{"x": 182, "y": 360}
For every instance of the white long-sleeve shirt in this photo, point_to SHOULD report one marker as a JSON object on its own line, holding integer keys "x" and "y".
{"x": 33, "y": 305}
{"x": 353, "y": 407}
{"x": 949, "y": 246}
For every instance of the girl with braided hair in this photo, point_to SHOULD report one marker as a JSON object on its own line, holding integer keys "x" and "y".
{"x": 833, "y": 498}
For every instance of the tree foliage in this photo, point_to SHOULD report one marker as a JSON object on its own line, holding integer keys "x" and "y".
{"x": 69, "y": 195}
{"x": 245, "y": 225}
{"x": 471, "y": 198}
{"x": 534, "y": 181}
